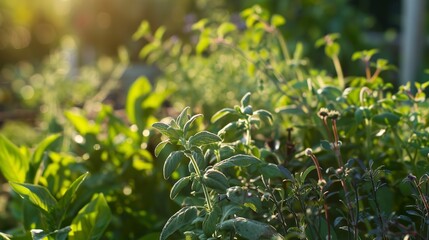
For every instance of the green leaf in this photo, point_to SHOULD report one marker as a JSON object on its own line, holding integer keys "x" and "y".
{"x": 166, "y": 130}
{"x": 332, "y": 50}
{"x": 292, "y": 110}
{"x": 224, "y": 28}
{"x": 37, "y": 195}
{"x": 222, "y": 113}
{"x": 159, "y": 33}
{"x": 39, "y": 153}
{"x": 178, "y": 186}
{"x": 204, "y": 138}
{"x": 160, "y": 146}
{"x": 210, "y": 221}
{"x": 203, "y": 42}
{"x": 265, "y": 116}
{"x": 142, "y": 31}
{"x": 200, "y": 24}
{"x": 239, "y": 160}
{"x": 183, "y": 117}
{"x": 245, "y": 100}
{"x": 137, "y": 92}
{"x": 271, "y": 171}
{"x": 183, "y": 217}
{"x": 216, "y": 180}
{"x": 69, "y": 196}
{"x": 386, "y": 118}
{"x": 249, "y": 229}
{"x": 92, "y": 220}
{"x": 172, "y": 162}
{"x": 190, "y": 122}
{"x": 60, "y": 234}
{"x": 326, "y": 145}
{"x": 303, "y": 175}
{"x": 13, "y": 164}
{"x": 81, "y": 123}
{"x": 277, "y": 20}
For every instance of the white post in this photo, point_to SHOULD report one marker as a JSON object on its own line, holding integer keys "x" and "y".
{"x": 412, "y": 40}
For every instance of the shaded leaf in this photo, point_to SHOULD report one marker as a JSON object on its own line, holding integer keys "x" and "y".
{"x": 172, "y": 162}
{"x": 216, "y": 180}
{"x": 160, "y": 146}
{"x": 178, "y": 186}
{"x": 386, "y": 118}
{"x": 182, "y": 218}
{"x": 249, "y": 229}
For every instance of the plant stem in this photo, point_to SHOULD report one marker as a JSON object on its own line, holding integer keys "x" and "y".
{"x": 339, "y": 71}
{"x": 199, "y": 176}
{"x": 377, "y": 207}
{"x": 321, "y": 181}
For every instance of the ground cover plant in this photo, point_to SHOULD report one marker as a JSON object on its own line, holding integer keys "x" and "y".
{"x": 280, "y": 150}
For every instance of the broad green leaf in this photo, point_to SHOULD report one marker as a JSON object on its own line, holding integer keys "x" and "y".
{"x": 245, "y": 100}
{"x": 160, "y": 146}
{"x": 249, "y": 229}
{"x": 60, "y": 234}
{"x": 13, "y": 164}
{"x": 204, "y": 138}
{"x": 92, "y": 220}
{"x": 37, "y": 195}
{"x": 225, "y": 28}
{"x": 200, "y": 24}
{"x": 189, "y": 123}
{"x": 166, "y": 130}
{"x": 138, "y": 90}
{"x": 210, "y": 221}
{"x": 148, "y": 49}
{"x": 159, "y": 33}
{"x": 69, "y": 196}
{"x": 271, "y": 171}
{"x": 38, "y": 155}
{"x": 178, "y": 186}
{"x": 222, "y": 113}
{"x": 326, "y": 145}
{"x": 265, "y": 116}
{"x": 142, "y": 31}
{"x": 82, "y": 125}
{"x": 216, "y": 180}
{"x": 203, "y": 42}
{"x": 183, "y": 217}
{"x": 172, "y": 162}
{"x": 386, "y": 118}
{"x": 332, "y": 50}
{"x": 277, "y": 20}
{"x": 239, "y": 160}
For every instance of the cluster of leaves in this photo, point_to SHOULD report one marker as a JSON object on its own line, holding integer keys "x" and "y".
{"x": 366, "y": 139}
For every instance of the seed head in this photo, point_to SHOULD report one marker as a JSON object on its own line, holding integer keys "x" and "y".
{"x": 308, "y": 152}
{"x": 323, "y": 113}
{"x": 334, "y": 114}
{"x": 411, "y": 177}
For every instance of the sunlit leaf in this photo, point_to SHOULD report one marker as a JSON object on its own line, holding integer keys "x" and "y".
{"x": 37, "y": 195}
{"x": 204, "y": 138}
{"x": 92, "y": 220}
{"x": 13, "y": 164}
